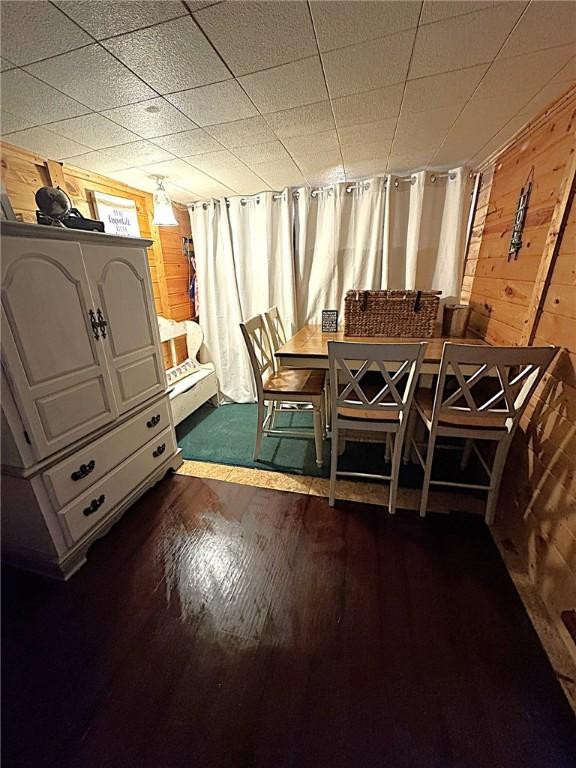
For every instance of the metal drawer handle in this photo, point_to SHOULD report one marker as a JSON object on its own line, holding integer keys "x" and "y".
{"x": 94, "y": 505}
{"x": 159, "y": 451}
{"x": 153, "y": 421}
{"x": 84, "y": 470}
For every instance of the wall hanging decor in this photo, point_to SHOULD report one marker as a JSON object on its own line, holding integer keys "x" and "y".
{"x": 119, "y": 214}
{"x": 520, "y": 218}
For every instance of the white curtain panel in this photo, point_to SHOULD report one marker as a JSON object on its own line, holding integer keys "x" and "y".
{"x": 338, "y": 237}
{"x": 219, "y": 295}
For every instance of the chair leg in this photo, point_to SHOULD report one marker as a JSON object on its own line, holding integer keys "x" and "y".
{"x": 388, "y": 451}
{"x": 497, "y": 470}
{"x": 466, "y": 453}
{"x": 409, "y": 434}
{"x": 427, "y": 474}
{"x": 396, "y": 463}
{"x": 259, "y": 427}
{"x": 327, "y": 404}
{"x": 333, "y": 465}
{"x": 318, "y": 435}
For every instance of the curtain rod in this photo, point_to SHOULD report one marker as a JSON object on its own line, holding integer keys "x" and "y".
{"x": 350, "y": 188}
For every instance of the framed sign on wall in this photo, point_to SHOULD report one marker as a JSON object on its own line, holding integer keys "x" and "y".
{"x": 119, "y": 214}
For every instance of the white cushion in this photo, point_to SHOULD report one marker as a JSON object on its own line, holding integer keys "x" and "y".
{"x": 189, "y": 381}
{"x": 185, "y": 368}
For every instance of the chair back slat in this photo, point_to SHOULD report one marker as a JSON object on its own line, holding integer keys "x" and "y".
{"x": 374, "y": 377}
{"x": 483, "y": 394}
{"x": 259, "y": 349}
{"x": 275, "y": 328}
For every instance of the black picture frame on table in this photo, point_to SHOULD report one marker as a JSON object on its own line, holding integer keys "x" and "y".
{"x": 329, "y": 320}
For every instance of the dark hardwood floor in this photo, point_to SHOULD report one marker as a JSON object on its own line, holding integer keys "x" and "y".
{"x": 223, "y": 626}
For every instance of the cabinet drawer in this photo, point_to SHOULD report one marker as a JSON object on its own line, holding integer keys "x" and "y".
{"x": 79, "y": 472}
{"x": 101, "y": 499}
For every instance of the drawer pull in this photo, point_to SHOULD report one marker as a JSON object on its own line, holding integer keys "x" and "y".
{"x": 84, "y": 470}
{"x": 94, "y": 505}
{"x": 153, "y": 421}
{"x": 159, "y": 451}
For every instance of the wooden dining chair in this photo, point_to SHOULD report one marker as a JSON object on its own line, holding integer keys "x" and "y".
{"x": 372, "y": 386}
{"x": 275, "y": 328}
{"x": 276, "y": 386}
{"x": 481, "y": 394}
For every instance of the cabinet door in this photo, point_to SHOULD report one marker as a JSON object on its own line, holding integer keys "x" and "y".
{"x": 56, "y": 367}
{"x": 120, "y": 284}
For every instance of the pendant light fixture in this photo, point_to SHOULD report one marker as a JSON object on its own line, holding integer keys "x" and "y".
{"x": 163, "y": 213}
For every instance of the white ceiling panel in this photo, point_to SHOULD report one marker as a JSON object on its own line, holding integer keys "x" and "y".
{"x": 523, "y": 73}
{"x": 94, "y": 77}
{"x": 5, "y": 64}
{"x": 242, "y": 180}
{"x": 360, "y": 169}
{"x": 543, "y": 99}
{"x": 262, "y": 153}
{"x": 139, "y": 153}
{"x": 177, "y": 171}
{"x": 204, "y": 186}
{"x": 445, "y": 90}
{"x": 368, "y": 133}
{"x": 316, "y": 142}
{"x": 414, "y": 161}
{"x": 93, "y": 131}
{"x": 504, "y": 135}
{"x": 424, "y": 129}
{"x": 567, "y": 74}
{"x": 150, "y": 118}
{"x": 188, "y": 143}
{"x": 368, "y": 107}
{"x": 242, "y": 133}
{"x": 462, "y": 41}
{"x": 104, "y": 18}
{"x": 340, "y": 24}
{"x": 544, "y": 25}
{"x": 170, "y": 57}
{"x": 48, "y": 31}
{"x": 437, "y": 10}
{"x": 358, "y": 153}
{"x": 291, "y": 85}
{"x": 32, "y": 101}
{"x": 280, "y": 173}
{"x": 98, "y": 162}
{"x": 212, "y": 104}
{"x": 313, "y": 165}
{"x": 212, "y": 162}
{"x": 302, "y": 121}
{"x": 321, "y": 173}
{"x": 44, "y": 142}
{"x": 251, "y": 36}
{"x": 368, "y": 65}
{"x": 10, "y": 123}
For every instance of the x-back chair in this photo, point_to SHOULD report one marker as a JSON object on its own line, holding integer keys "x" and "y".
{"x": 484, "y": 405}
{"x": 275, "y": 328}
{"x": 276, "y": 386}
{"x": 372, "y": 386}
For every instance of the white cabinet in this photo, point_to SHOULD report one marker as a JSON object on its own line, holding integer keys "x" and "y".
{"x": 82, "y": 378}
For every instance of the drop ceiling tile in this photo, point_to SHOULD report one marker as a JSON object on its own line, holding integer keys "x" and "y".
{"x": 28, "y": 99}
{"x": 302, "y": 121}
{"x": 523, "y": 73}
{"x": 280, "y": 173}
{"x": 339, "y": 23}
{"x": 543, "y": 99}
{"x": 376, "y": 152}
{"x": 180, "y": 195}
{"x": 10, "y": 123}
{"x": 544, "y": 25}
{"x": 196, "y": 5}
{"x": 437, "y": 10}
{"x": 251, "y": 36}
{"x": 325, "y": 175}
{"x": 94, "y": 131}
{"x": 567, "y": 74}
{"x": 5, "y": 64}
{"x": 211, "y": 162}
{"x": 205, "y": 187}
{"x": 261, "y": 153}
{"x": 368, "y": 107}
{"x": 188, "y": 143}
{"x": 242, "y": 133}
{"x": 368, "y": 133}
{"x": 170, "y": 57}
{"x": 424, "y": 129}
{"x": 218, "y": 103}
{"x": 445, "y": 90}
{"x": 150, "y": 118}
{"x": 32, "y": 31}
{"x": 94, "y": 77}
{"x": 316, "y": 142}
{"x": 319, "y": 162}
{"x": 501, "y": 138}
{"x": 103, "y": 18}
{"x": 242, "y": 180}
{"x": 291, "y": 85}
{"x": 364, "y": 168}
{"x": 462, "y": 41}
{"x": 175, "y": 171}
{"x": 368, "y": 65}
{"x": 45, "y": 143}
{"x": 98, "y": 162}
{"x": 403, "y": 164}
{"x": 139, "y": 153}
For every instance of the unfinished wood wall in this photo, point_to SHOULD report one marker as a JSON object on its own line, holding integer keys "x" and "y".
{"x": 533, "y": 300}
{"x": 23, "y": 172}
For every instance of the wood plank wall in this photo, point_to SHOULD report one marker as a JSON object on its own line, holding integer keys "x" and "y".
{"x": 537, "y": 513}
{"x": 23, "y": 172}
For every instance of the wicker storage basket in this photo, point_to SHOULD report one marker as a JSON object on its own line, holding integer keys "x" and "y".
{"x": 405, "y": 314}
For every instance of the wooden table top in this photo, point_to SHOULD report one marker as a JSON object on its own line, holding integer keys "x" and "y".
{"x": 312, "y": 343}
